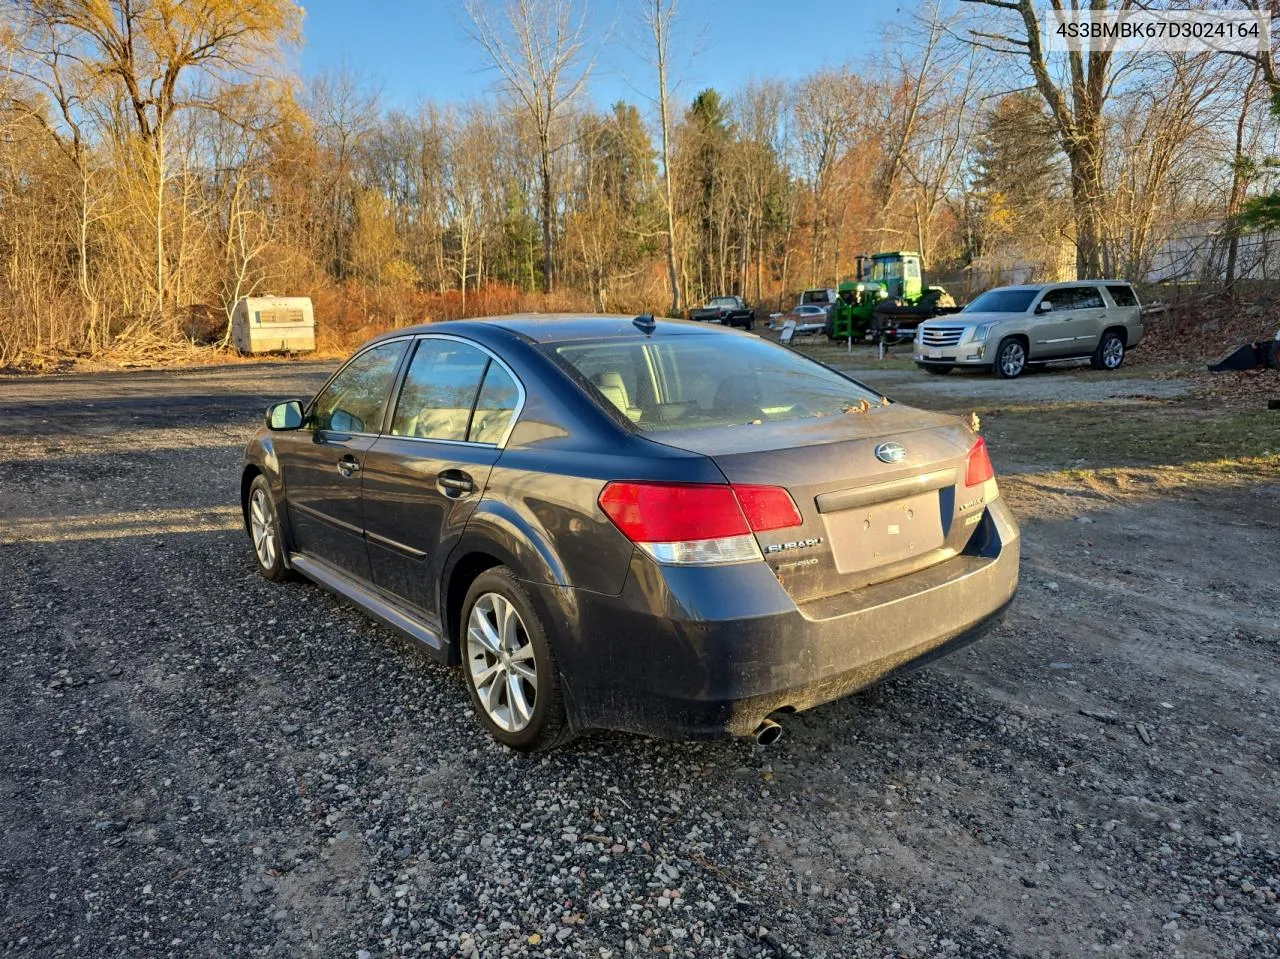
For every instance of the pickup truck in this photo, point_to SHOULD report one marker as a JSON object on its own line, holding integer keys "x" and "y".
{"x": 726, "y": 310}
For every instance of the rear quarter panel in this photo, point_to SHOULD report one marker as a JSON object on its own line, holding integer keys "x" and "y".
{"x": 540, "y": 507}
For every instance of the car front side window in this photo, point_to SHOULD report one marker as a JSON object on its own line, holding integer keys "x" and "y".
{"x": 439, "y": 392}
{"x": 354, "y": 399}
{"x": 1060, "y": 299}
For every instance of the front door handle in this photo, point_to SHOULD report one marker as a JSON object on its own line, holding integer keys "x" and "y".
{"x": 348, "y": 466}
{"x": 455, "y": 483}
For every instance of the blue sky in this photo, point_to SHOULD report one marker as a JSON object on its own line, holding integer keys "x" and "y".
{"x": 420, "y": 50}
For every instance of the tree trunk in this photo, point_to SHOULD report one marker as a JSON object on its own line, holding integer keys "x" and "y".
{"x": 660, "y": 42}
{"x": 158, "y": 146}
{"x": 547, "y": 206}
{"x": 1086, "y": 199}
{"x": 82, "y": 256}
{"x": 1238, "y": 185}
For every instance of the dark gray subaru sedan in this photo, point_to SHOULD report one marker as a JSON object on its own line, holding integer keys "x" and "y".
{"x": 655, "y": 526}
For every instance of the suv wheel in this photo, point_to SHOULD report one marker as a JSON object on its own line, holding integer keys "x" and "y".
{"x": 1110, "y": 352}
{"x": 510, "y": 670}
{"x": 1011, "y": 359}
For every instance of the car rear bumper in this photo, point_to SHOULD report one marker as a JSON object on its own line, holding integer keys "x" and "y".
{"x": 708, "y": 652}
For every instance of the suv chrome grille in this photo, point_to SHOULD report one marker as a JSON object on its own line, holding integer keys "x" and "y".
{"x": 941, "y": 335}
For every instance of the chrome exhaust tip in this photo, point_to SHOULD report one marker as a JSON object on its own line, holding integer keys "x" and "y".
{"x": 767, "y": 733}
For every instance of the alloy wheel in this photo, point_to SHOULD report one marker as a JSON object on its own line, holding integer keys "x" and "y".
{"x": 1012, "y": 359}
{"x": 1113, "y": 353}
{"x": 501, "y": 663}
{"x": 263, "y": 527}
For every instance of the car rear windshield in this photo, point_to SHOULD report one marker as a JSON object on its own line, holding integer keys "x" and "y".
{"x": 1002, "y": 301}
{"x": 723, "y": 301}
{"x": 703, "y": 382}
{"x": 1122, "y": 295}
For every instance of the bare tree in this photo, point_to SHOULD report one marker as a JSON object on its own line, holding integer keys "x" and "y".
{"x": 659, "y": 15}
{"x": 344, "y": 105}
{"x": 538, "y": 48}
{"x": 1077, "y": 104}
{"x": 824, "y": 108}
{"x": 1264, "y": 59}
{"x": 1240, "y": 170}
{"x": 920, "y": 76}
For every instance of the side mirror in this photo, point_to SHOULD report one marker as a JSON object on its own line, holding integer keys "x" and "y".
{"x": 1044, "y": 306}
{"x": 285, "y": 416}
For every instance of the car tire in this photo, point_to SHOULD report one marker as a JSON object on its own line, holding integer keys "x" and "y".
{"x": 936, "y": 370}
{"x": 1110, "y": 352}
{"x": 265, "y": 531}
{"x": 506, "y": 655}
{"x": 1273, "y": 354}
{"x": 1011, "y": 359}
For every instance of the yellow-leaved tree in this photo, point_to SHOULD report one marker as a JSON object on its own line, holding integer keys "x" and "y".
{"x": 123, "y": 71}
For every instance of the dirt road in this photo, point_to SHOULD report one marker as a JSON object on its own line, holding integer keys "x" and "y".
{"x": 195, "y": 762}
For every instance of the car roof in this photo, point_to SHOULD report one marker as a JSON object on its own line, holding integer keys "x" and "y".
{"x": 1063, "y": 284}
{"x": 560, "y": 327}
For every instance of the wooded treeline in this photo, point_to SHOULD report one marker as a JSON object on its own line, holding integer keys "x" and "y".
{"x": 157, "y": 163}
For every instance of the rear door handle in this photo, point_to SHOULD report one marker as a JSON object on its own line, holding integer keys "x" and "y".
{"x": 455, "y": 483}
{"x": 348, "y": 466}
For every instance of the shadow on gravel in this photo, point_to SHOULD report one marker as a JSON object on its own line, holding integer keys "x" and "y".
{"x": 30, "y": 414}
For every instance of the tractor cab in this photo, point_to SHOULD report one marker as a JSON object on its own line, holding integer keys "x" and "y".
{"x": 898, "y": 273}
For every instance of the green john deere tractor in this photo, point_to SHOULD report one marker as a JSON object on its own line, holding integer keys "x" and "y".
{"x": 907, "y": 301}
{"x": 852, "y": 312}
{"x": 887, "y": 301}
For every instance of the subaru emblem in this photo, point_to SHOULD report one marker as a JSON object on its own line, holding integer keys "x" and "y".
{"x": 891, "y": 452}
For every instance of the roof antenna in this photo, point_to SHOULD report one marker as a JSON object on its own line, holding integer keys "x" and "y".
{"x": 645, "y": 323}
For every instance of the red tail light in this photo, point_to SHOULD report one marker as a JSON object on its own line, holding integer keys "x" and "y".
{"x": 768, "y": 507}
{"x": 697, "y": 523}
{"x": 979, "y": 469}
{"x": 667, "y": 512}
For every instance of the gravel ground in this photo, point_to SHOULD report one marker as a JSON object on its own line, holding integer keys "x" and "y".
{"x": 195, "y": 762}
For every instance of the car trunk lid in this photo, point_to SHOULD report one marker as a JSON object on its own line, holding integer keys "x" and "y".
{"x": 881, "y": 493}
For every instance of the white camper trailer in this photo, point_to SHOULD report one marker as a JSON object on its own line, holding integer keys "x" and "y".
{"x": 271, "y": 324}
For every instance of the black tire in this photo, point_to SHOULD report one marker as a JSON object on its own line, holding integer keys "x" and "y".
{"x": 1110, "y": 352}
{"x": 1273, "y": 354}
{"x": 935, "y": 370}
{"x": 268, "y": 543}
{"x": 548, "y": 724}
{"x": 1011, "y": 359}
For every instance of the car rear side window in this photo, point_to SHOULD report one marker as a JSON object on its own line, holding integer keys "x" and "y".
{"x": 1123, "y": 295}
{"x": 439, "y": 390}
{"x": 354, "y": 399}
{"x": 704, "y": 382}
{"x": 1088, "y": 298}
{"x": 499, "y": 397}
